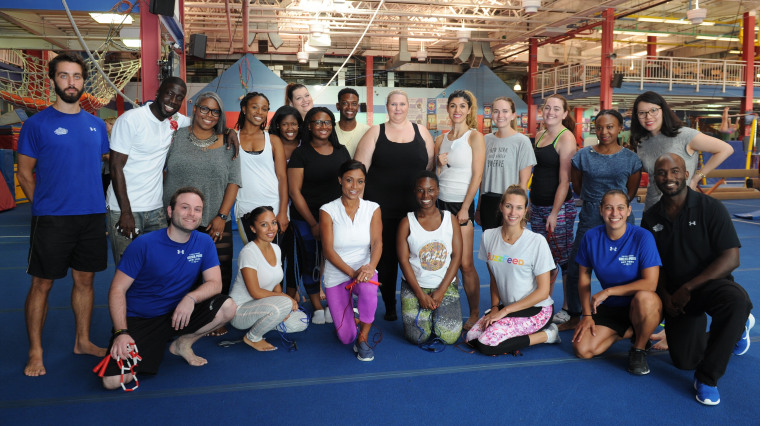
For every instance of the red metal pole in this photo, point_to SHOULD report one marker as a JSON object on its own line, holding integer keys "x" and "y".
{"x": 748, "y": 55}
{"x": 150, "y": 52}
{"x": 605, "y": 94}
{"x": 369, "y": 76}
{"x": 532, "y": 70}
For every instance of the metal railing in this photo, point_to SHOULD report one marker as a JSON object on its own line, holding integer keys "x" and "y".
{"x": 568, "y": 79}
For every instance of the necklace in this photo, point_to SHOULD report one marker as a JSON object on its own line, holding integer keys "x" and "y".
{"x": 203, "y": 144}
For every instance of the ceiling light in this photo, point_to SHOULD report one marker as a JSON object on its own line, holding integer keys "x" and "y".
{"x": 647, "y": 19}
{"x": 317, "y": 29}
{"x": 517, "y": 86}
{"x": 422, "y": 54}
{"x": 464, "y": 35}
{"x": 737, "y": 52}
{"x": 131, "y": 42}
{"x": 676, "y": 21}
{"x": 302, "y": 57}
{"x": 111, "y": 18}
{"x": 531, "y": 6}
{"x": 696, "y": 15}
{"x": 718, "y": 38}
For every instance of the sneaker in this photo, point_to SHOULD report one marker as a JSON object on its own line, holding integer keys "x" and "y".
{"x": 637, "y": 362}
{"x": 318, "y": 317}
{"x": 570, "y": 324}
{"x": 707, "y": 395}
{"x": 363, "y": 351}
{"x": 552, "y": 334}
{"x": 742, "y": 346}
{"x": 561, "y": 317}
{"x": 328, "y": 316}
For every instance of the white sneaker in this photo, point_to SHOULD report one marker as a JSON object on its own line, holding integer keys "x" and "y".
{"x": 328, "y": 315}
{"x": 561, "y": 317}
{"x": 318, "y": 317}
{"x": 552, "y": 334}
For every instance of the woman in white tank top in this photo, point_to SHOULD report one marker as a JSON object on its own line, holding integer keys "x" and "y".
{"x": 461, "y": 158}
{"x": 429, "y": 251}
{"x": 262, "y": 165}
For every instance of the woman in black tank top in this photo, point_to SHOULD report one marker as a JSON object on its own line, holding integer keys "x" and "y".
{"x": 394, "y": 153}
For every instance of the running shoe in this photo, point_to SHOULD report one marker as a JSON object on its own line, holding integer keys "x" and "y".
{"x": 363, "y": 351}
{"x": 742, "y": 346}
{"x": 707, "y": 395}
{"x": 637, "y": 362}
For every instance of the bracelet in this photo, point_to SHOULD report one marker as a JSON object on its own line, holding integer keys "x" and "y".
{"x": 192, "y": 298}
{"x": 699, "y": 172}
{"x": 120, "y": 331}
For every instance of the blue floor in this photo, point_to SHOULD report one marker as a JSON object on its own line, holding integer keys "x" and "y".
{"x": 323, "y": 383}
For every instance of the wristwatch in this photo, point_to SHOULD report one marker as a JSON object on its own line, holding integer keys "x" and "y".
{"x": 223, "y": 216}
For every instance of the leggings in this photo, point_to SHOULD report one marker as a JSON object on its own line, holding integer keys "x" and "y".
{"x": 341, "y": 307}
{"x": 445, "y": 322}
{"x": 511, "y": 332}
{"x": 263, "y": 315}
{"x": 309, "y": 256}
{"x": 562, "y": 240}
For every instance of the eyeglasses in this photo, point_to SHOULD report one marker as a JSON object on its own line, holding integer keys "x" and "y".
{"x": 205, "y": 110}
{"x": 322, "y": 123}
{"x": 652, "y": 113}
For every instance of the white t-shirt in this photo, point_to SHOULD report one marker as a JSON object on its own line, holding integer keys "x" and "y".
{"x": 146, "y": 140}
{"x": 515, "y": 266}
{"x": 260, "y": 184}
{"x": 351, "y": 238}
{"x": 351, "y": 139}
{"x": 269, "y": 276}
{"x": 430, "y": 251}
{"x": 455, "y": 178}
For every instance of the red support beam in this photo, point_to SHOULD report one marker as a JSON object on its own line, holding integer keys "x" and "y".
{"x": 245, "y": 26}
{"x": 150, "y": 53}
{"x": 748, "y": 55}
{"x": 532, "y": 70}
{"x": 369, "y": 75}
{"x": 651, "y": 47}
{"x": 578, "y": 117}
{"x": 608, "y": 24}
{"x": 182, "y": 55}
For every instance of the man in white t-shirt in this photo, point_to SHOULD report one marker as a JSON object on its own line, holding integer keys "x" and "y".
{"x": 140, "y": 140}
{"x": 349, "y": 130}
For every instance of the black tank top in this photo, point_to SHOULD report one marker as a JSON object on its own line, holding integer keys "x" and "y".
{"x": 546, "y": 173}
{"x": 390, "y": 180}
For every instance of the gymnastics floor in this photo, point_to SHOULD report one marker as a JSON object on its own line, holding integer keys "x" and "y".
{"x": 323, "y": 383}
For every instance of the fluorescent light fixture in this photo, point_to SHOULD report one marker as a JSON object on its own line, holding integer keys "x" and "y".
{"x": 111, "y": 18}
{"x": 714, "y": 106}
{"x": 707, "y": 23}
{"x": 718, "y": 38}
{"x": 131, "y": 42}
{"x": 648, "y": 19}
{"x": 677, "y": 21}
{"x": 738, "y": 52}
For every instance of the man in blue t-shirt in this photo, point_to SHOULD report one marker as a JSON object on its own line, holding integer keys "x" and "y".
{"x": 153, "y": 296}
{"x": 59, "y": 155}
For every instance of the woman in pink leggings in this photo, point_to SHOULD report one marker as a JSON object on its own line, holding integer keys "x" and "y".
{"x": 351, "y": 232}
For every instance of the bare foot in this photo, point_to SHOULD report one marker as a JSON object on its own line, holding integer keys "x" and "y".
{"x": 221, "y": 331}
{"x": 88, "y": 348}
{"x": 261, "y": 346}
{"x": 186, "y": 351}
{"x": 34, "y": 366}
{"x": 470, "y": 322}
{"x": 661, "y": 341}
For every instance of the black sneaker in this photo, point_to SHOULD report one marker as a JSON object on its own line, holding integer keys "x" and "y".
{"x": 637, "y": 362}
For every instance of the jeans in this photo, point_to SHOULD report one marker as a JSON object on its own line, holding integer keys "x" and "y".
{"x": 145, "y": 222}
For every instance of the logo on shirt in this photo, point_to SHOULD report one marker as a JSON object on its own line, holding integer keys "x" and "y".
{"x": 657, "y": 228}
{"x": 93, "y": 129}
{"x": 627, "y": 260}
{"x": 433, "y": 256}
{"x": 692, "y": 223}
{"x": 180, "y": 251}
{"x": 502, "y": 259}
{"x": 61, "y": 131}
{"x": 613, "y": 248}
{"x": 194, "y": 257}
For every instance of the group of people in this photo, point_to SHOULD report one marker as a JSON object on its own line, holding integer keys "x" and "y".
{"x": 336, "y": 207}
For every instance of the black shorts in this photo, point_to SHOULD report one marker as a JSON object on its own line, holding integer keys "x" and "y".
{"x": 454, "y": 209}
{"x": 57, "y": 243}
{"x": 152, "y": 334}
{"x": 617, "y": 318}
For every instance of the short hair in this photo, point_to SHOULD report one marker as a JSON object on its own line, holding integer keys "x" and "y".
{"x": 67, "y": 57}
{"x": 347, "y": 91}
{"x": 569, "y": 121}
{"x": 282, "y": 113}
{"x": 511, "y": 105}
{"x": 221, "y": 125}
{"x": 517, "y": 190}
{"x": 613, "y": 112}
{"x": 186, "y": 190}
{"x": 244, "y": 104}
{"x": 250, "y": 218}
{"x": 306, "y": 135}
{"x": 351, "y": 165}
{"x": 472, "y": 117}
{"x": 671, "y": 125}
{"x": 289, "y": 89}
{"x": 615, "y": 191}
{"x": 172, "y": 80}
{"x": 427, "y": 174}
{"x": 396, "y": 92}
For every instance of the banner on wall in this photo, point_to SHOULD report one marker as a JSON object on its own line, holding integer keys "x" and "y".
{"x": 432, "y": 123}
{"x": 487, "y": 108}
{"x": 442, "y": 115}
{"x": 417, "y": 111}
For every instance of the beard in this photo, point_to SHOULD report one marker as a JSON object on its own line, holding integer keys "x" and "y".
{"x": 69, "y": 99}
{"x": 681, "y": 185}
{"x": 177, "y": 222}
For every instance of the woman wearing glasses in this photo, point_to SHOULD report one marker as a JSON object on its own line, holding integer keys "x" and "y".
{"x": 195, "y": 159}
{"x": 311, "y": 183}
{"x": 658, "y": 131}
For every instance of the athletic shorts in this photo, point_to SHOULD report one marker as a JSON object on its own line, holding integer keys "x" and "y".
{"x": 57, "y": 243}
{"x": 454, "y": 209}
{"x": 152, "y": 334}
{"x": 617, "y": 318}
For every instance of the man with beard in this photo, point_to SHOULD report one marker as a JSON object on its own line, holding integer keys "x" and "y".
{"x": 699, "y": 248}
{"x": 63, "y": 144}
{"x": 349, "y": 130}
{"x": 152, "y": 297}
